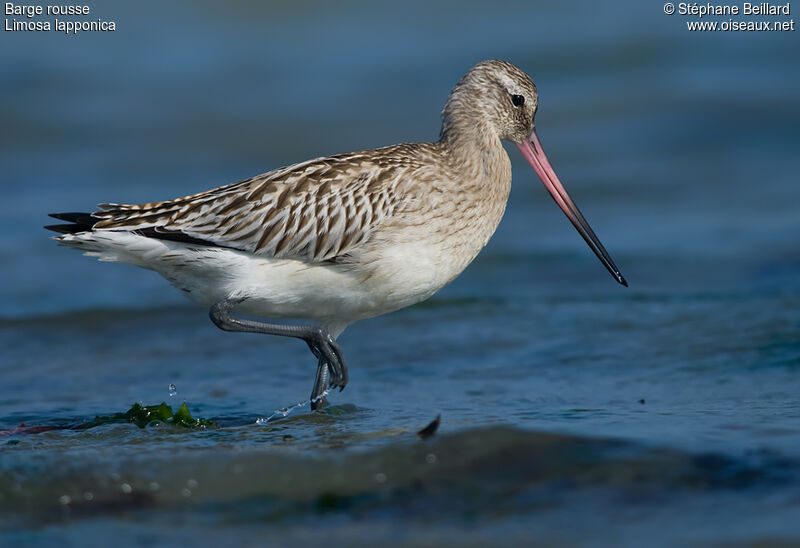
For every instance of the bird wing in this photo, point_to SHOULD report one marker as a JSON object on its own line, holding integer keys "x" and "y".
{"x": 313, "y": 211}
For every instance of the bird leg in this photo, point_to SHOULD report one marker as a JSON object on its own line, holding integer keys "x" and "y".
{"x": 321, "y": 343}
{"x": 318, "y": 399}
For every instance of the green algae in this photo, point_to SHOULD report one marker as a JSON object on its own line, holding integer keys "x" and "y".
{"x": 143, "y": 415}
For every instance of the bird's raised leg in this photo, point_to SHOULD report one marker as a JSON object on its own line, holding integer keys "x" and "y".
{"x": 331, "y": 366}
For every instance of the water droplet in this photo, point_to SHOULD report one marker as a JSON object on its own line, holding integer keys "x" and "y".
{"x": 380, "y": 477}
{"x": 88, "y": 496}
{"x": 186, "y": 493}
{"x": 173, "y": 390}
{"x": 285, "y": 411}
{"x": 64, "y": 499}
{"x": 154, "y": 486}
{"x": 126, "y": 488}
{"x": 430, "y": 458}
{"x": 192, "y": 483}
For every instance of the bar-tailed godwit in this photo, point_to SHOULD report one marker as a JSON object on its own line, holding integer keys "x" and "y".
{"x": 341, "y": 238}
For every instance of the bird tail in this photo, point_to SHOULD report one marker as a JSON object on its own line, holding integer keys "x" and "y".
{"x": 78, "y": 232}
{"x": 76, "y": 222}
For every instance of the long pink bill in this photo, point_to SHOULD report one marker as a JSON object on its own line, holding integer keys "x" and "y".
{"x": 531, "y": 148}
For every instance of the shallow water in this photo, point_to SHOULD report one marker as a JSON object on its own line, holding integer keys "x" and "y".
{"x": 573, "y": 410}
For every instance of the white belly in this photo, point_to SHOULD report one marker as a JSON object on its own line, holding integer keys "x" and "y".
{"x": 333, "y": 295}
{"x": 378, "y": 283}
{"x": 384, "y": 277}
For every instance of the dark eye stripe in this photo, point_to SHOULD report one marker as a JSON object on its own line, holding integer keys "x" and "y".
{"x": 518, "y": 100}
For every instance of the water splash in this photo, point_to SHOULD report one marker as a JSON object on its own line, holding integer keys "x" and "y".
{"x": 285, "y": 411}
{"x": 173, "y": 390}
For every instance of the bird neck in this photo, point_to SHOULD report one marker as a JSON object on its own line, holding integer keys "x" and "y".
{"x": 481, "y": 173}
{"x": 475, "y": 149}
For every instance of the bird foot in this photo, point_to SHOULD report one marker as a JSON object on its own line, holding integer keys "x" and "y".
{"x": 330, "y": 359}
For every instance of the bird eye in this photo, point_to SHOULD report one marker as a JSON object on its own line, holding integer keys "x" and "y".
{"x": 518, "y": 100}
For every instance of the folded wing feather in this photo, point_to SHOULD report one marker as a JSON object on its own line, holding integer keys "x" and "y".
{"x": 314, "y": 211}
